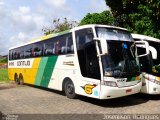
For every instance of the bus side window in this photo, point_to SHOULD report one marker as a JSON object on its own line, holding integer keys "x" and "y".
{"x": 10, "y": 55}
{"x": 69, "y": 44}
{"x": 13, "y": 54}
{"x": 38, "y": 49}
{"x": 21, "y": 52}
{"x": 16, "y": 54}
{"x": 48, "y": 47}
{"x": 62, "y": 44}
{"x": 57, "y": 48}
{"x": 28, "y": 51}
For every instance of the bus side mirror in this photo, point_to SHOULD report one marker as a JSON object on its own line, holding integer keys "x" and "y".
{"x": 153, "y": 52}
{"x": 144, "y": 45}
{"x": 104, "y": 46}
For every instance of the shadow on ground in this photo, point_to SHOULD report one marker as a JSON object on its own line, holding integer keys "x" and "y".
{"x": 131, "y": 100}
{"x": 116, "y": 102}
{"x": 47, "y": 89}
{"x": 4, "y": 86}
{"x": 147, "y": 96}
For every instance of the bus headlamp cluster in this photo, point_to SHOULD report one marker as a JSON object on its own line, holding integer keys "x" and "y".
{"x": 110, "y": 83}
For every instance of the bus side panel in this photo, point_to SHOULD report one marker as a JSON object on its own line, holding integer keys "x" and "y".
{"x": 45, "y": 70}
{"x": 40, "y": 71}
{"x": 30, "y": 73}
{"x": 64, "y": 68}
{"x": 13, "y": 71}
{"x": 49, "y": 68}
{"x": 10, "y": 74}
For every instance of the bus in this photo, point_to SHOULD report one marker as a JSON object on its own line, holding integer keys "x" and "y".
{"x": 91, "y": 60}
{"x": 150, "y": 65}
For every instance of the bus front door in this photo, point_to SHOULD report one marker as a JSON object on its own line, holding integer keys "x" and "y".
{"x": 90, "y": 70}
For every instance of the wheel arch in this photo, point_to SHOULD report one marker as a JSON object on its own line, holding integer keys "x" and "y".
{"x": 21, "y": 75}
{"x": 21, "y": 79}
{"x": 15, "y": 75}
{"x": 65, "y": 80}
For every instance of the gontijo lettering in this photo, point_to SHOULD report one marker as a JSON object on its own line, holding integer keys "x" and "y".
{"x": 23, "y": 63}
{"x": 20, "y": 63}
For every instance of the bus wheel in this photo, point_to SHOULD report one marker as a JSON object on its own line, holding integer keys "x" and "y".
{"x": 21, "y": 81}
{"x": 70, "y": 90}
{"x": 16, "y": 79}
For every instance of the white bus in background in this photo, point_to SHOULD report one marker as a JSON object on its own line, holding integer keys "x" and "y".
{"x": 150, "y": 65}
{"x": 90, "y": 60}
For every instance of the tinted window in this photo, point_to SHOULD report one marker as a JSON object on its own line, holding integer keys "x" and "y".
{"x": 83, "y": 36}
{"x": 21, "y": 53}
{"x": 13, "y": 54}
{"x": 37, "y": 49}
{"x": 10, "y": 55}
{"x": 69, "y": 42}
{"x": 63, "y": 44}
{"x": 53, "y": 46}
{"x": 49, "y": 47}
{"x": 59, "y": 45}
{"x": 16, "y": 53}
{"x": 28, "y": 51}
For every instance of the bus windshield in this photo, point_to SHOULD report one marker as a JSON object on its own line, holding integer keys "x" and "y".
{"x": 119, "y": 62}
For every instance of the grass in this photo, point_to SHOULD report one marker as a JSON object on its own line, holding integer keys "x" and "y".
{"x": 4, "y": 75}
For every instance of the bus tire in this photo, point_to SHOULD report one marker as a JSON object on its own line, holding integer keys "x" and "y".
{"x": 16, "y": 79}
{"x": 69, "y": 89}
{"x": 21, "y": 81}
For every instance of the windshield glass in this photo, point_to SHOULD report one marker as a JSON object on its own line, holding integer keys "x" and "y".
{"x": 119, "y": 62}
{"x": 113, "y": 34}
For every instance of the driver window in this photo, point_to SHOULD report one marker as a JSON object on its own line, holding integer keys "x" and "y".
{"x": 83, "y": 36}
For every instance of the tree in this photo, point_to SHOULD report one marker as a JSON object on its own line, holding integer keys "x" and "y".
{"x": 98, "y": 18}
{"x": 59, "y": 26}
{"x": 139, "y": 16}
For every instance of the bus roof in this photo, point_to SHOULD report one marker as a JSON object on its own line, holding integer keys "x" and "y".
{"x": 144, "y": 37}
{"x": 97, "y": 25}
{"x": 68, "y": 31}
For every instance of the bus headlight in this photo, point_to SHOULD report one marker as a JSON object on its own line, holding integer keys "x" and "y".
{"x": 110, "y": 83}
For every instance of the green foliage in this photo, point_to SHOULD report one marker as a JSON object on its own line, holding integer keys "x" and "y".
{"x": 98, "y": 18}
{"x": 4, "y": 75}
{"x": 139, "y": 16}
{"x": 3, "y": 60}
{"x": 59, "y": 26}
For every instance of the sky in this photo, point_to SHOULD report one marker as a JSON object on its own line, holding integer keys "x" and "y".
{"x": 23, "y": 20}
